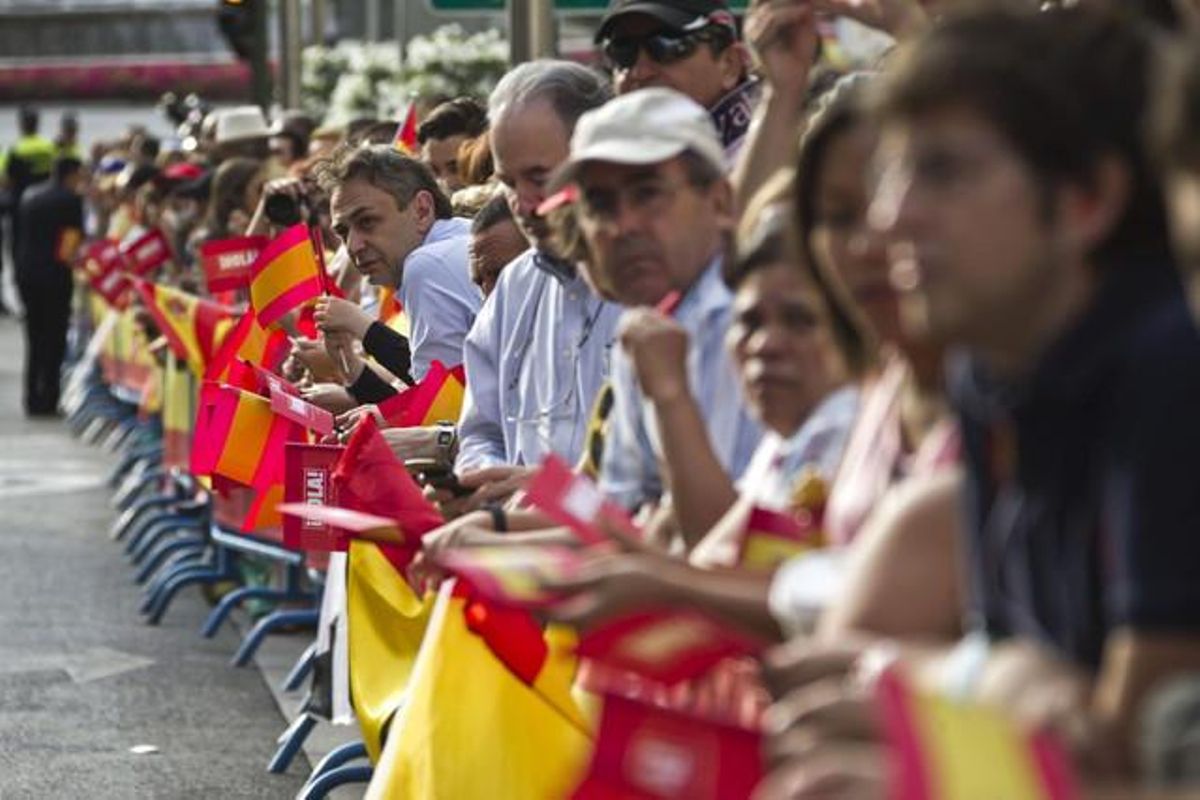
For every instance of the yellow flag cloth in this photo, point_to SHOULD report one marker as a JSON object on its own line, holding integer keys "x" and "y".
{"x": 471, "y": 730}
{"x": 947, "y": 750}
{"x": 385, "y": 624}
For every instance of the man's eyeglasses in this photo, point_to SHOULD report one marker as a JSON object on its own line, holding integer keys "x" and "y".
{"x": 662, "y": 47}
{"x": 645, "y": 197}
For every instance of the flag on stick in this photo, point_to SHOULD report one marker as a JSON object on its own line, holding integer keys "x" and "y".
{"x": 665, "y": 646}
{"x": 308, "y": 479}
{"x": 191, "y": 325}
{"x": 243, "y": 440}
{"x": 405, "y": 140}
{"x": 248, "y": 341}
{"x": 575, "y": 501}
{"x": 286, "y": 275}
{"x": 439, "y": 396}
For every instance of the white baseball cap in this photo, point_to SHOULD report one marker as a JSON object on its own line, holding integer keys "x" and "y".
{"x": 648, "y": 126}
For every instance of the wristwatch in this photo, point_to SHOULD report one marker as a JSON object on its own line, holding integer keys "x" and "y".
{"x": 446, "y": 442}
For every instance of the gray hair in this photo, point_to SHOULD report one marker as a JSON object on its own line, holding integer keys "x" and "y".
{"x": 385, "y": 169}
{"x": 571, "y": 89}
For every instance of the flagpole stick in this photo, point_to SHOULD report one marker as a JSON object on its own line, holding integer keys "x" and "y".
{"x": 319, "y": 248}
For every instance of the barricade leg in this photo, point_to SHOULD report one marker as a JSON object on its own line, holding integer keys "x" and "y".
{"x": 198, "y": 557}
{"x": 290, "y": 742}
{"x": 267, "y": 625}
{"x": 335, "y": 778}
{"x": 157, "y": 604}
{"x": 300, "y": 669}
{"x": 142, "y": 478}
{"x": 140, "y": 546}
{"x": 129, "y": 461}
{"x": 117, "y": 436}
{"x": 338, "y": 757}
{"x": 135, "y": 517}
{"x": 216, "y": 617}
{"x": 159, "y": 555}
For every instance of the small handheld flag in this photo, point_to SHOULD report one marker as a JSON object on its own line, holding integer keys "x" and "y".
{"x": 575, "y": 501}
{"x": 665, "y": 646}
{"x": 405, "y": 140}
{"x": 286, "y": 275}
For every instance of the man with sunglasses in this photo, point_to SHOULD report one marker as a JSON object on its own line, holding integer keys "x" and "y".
{"x": 691, "y": 46}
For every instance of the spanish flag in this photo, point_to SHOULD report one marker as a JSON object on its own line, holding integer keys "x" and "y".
{"x": 405, "y": 140}
{"x": 439, "y": 396}
{"x": 945, "y": 750}
{"x": 248, "y": 341}
{"x": 389, "y": 306}
{"x": 287, "y": 274}
{"x": 193, "y": 327}
{"x": 370, "y": 478}
{"x": 239, "y": 438}
{"x": 178, "y": 412}
{"x": 385, "y": 619}
{"x": 770, "y": 537}
{"x": 521, "y": 739}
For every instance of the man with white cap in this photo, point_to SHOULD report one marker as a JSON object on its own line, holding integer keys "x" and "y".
{"x": 656, "y": 210}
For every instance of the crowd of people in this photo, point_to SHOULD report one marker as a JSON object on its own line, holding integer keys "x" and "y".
{"x": 943, "y": 309}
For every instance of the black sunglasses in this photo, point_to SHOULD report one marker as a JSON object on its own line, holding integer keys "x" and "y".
{"x": 662, "y": 47}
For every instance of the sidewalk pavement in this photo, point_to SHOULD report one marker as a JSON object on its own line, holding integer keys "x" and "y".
{"x": 84, "y": 683}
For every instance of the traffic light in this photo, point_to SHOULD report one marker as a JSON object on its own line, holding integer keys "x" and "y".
{"x": 239, "y": 23}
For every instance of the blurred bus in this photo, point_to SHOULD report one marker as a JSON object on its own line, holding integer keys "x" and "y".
{"x": 129, "y": 50}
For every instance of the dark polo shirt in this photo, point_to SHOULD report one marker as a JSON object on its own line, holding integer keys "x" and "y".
{"x": 1083, "y": 488}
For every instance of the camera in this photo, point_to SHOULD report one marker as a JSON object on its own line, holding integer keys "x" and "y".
{"x": 284, "y": 210}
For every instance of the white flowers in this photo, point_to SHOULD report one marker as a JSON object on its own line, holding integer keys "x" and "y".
{"x": 356, "y": 79}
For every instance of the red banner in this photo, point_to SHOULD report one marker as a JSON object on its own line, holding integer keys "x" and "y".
{"x": 307, "y": 478}
{"x": 147, "y": 253}
{"x": 643, "y": 751}
{"x": 227, "y": 262}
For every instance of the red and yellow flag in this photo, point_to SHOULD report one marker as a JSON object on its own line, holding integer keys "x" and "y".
{"x": 405, "y": 140}
{"x": 248, "y": 341}
{"x": 772, "y": 537}
{"x": 389, "y": 306}
{"x": 178, "y": 412}
{"x": 239, "y": 438}
{"x": 464, "y": 706}
{"x": 385, "y": 618}
{"x": 946, "y": 750}
{"x": 193, "y": 327}
{"x": 439, "y": 396}
{"x": 286, "y": 275}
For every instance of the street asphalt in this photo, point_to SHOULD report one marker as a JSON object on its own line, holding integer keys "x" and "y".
{"x": 93, "y": 702}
